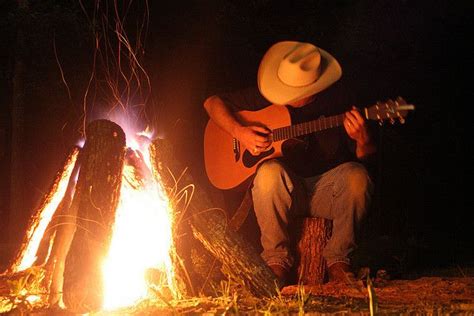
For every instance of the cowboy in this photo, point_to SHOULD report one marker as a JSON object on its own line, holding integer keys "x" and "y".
{"x": 329, "y": 179}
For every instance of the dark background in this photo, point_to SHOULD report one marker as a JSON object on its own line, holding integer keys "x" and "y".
{"x": 422, "y": 213}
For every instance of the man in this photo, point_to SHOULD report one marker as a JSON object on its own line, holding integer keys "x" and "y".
{"x": 329, "y": 180}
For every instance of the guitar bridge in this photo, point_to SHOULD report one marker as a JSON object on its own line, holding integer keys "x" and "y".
{"x": 236, "y": 149}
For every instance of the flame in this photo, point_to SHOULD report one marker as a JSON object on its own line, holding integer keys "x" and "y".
{"x": 45, "y": 213}
{"x": 142, "y": 241}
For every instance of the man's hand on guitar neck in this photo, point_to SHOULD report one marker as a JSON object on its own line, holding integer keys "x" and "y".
{"x": 255, "y": 138}
{"x": 356, "y": 128}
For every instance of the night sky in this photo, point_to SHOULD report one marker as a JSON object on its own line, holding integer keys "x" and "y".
{"x": 193, "y": 49}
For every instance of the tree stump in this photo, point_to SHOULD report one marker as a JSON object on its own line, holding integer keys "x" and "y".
{"x": 97, "y": 195}
{"x": 312, "y": 235}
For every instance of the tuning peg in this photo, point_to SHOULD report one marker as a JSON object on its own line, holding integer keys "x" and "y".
{"x": 402, "y": 120}
{"x": 392, "y": 121}
{"x": 400, "y": 100}
{"x": 380, "y": 122}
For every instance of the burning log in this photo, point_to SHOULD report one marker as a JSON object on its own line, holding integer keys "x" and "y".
{"x": 311, "y": 238}
{"x": 65, "y": 222}
{"x": 45, "y": 250}
{"x": 29, "y": 271}
{"x": 99, "y": 188}
{"x": 239, "y": 259}
{"x": 27, "y": 253}
{"x": 96, "y": 199}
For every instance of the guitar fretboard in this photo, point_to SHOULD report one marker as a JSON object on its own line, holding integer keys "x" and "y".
{"x": 305, "y": 128}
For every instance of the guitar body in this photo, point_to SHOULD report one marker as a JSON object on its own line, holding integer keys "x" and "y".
{"x": 226, "y": 166}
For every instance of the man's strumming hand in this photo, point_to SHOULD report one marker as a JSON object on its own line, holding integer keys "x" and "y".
{"x": 255, "y": 138}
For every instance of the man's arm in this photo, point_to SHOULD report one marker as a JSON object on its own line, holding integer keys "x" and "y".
{"x": 221, "y": 115}
{"x": 254, "y": 138}
{"x": 356, "y": 128}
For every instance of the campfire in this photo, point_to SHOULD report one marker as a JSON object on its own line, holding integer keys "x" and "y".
{"x": 102, "y": 237}
{"x": 105, "y": 238}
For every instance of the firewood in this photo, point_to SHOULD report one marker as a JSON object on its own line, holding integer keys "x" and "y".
{"x": 65, "y": 221}
{"x": 97, "y": 196}
{"x": 210, "y": 226}
{"x": 35, "y": 219}
{"x": 61, "y": 245}
{"x": 49, "y": 239}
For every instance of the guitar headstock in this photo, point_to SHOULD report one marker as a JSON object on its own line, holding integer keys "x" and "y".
{"x": 389, "y": 110}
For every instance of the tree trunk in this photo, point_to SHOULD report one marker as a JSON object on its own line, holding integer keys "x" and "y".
{"x": 98, "y": 193}
{"x": 210, "y": 226}
{"x": 311, "y": 238}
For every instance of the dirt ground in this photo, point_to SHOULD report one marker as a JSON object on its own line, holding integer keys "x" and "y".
{"x": 426, "y": 295}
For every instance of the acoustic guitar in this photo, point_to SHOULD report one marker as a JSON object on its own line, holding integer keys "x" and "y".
{"x": 228, "y": 164}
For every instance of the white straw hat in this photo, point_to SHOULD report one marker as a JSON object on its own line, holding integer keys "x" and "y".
{"x": 290, "y": 71}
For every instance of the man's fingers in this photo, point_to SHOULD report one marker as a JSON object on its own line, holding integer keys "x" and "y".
{"x": 257, "y": 139}
{"x": 262, "y": 139}
{"x": 350, "y": 119}
{"x": 354, "y": 118}
{"x": 357, "y": 116}
{"x": 349, "y": 126}
{"x": 355, "y": 113}
{"x": 263, "y": 144}
{"x": 260, "y": 129}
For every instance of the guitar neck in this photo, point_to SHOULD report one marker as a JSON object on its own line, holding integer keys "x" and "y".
{"x": 305, "y": 128}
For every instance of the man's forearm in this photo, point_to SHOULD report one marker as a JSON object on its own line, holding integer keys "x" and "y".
{"x": 221, "y": 115}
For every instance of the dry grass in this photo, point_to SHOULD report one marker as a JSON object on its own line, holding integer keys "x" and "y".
{"x": 433, "y": 295}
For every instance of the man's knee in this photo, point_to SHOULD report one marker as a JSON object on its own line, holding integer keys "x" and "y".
{"x": 357, "y": 179}
{"x": 272, "y": 175}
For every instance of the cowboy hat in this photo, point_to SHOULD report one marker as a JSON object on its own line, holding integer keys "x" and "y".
{"x": 290, "y": 71}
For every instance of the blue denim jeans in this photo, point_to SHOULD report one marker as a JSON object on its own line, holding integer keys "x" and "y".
{"x": 341, "y": 194}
